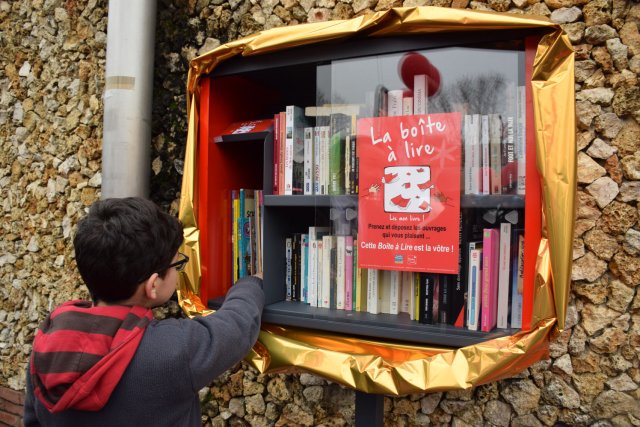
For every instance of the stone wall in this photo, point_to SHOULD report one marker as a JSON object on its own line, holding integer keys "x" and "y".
{"x": 51, "y": 82}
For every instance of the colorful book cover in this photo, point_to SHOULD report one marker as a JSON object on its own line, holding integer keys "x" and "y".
{"x": 348, "y": 273}
{"x": 475, "y": 288}
{"x": 409, "y": 199}
{"x": 490, "y": 258}
{"x": 246, "y": 130}
{"x": 504, "y": 262}
{"x": 517, "y": 279}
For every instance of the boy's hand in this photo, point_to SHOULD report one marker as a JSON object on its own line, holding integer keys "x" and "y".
{"x": 258, "y": 275}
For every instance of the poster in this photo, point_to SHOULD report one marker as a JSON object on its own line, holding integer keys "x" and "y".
{"x": 409, "y": 200}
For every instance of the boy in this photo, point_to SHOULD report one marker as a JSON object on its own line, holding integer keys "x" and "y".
{"x": 108, "y": 363}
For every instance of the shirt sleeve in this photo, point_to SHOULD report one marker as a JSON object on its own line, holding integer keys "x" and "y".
{"x": 29, "y": 418}
{"x": 220, "y": 340}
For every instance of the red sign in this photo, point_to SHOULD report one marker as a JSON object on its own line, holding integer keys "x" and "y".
{"x": 409, "y": 201}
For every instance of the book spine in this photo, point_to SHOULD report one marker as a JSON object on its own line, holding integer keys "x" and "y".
{"x": 427, "y": 287}
{"x": 394, "y": 102}
{"x": 490, "y": 255}
{"x": 521, "y": 138}
{"x": 394, "y": 292}
{"x": 320, "y": 273}
{"x": 234, "y": 233}
{"x": 347, "y": 165}
{"x": 316, "y": 160}
{"x": 407, "y": 106}
{"x": 406, "y": 291}
{"x": 297, "y": 162}
{"x": 341, "y": 280}
{"x": 304, "y": 268}
{"x": 472, "y": 154}
{"x": 282, "y": 151}
{"x": 517, "y": 281}
{"x": 336, "y": 160}
{"x": 415, "y": 305}
{"x": 475, "y": 288}
{"x": 495, "y": 140}
{"x": 485, "y": 156}
{"x": 308, "y": 160}
{"x": 296, "y": 251}
{"x": 353, "y": 178}
{"x": 288, "y": 151}
{"x": 324, "y": 291}
{"x": 419, "y": 94}
{"x": 372, "y": 291}
{"x": 242, "y": 266}
{"x": 324, "y": 170}
{"x": 503, "y": 275}
{"x": 312, "y": 280}
{"x": 445, "y": 298}
{"x": 288, "y": 267}
{"x": 509, "y": 165}
{"x": 348, "y": 273}
{"x": 276, "y": 153}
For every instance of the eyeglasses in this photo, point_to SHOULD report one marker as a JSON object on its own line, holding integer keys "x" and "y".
{"x": 181, "y": 263}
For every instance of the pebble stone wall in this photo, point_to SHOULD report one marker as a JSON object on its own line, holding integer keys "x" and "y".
{"x": 52, "y": 59}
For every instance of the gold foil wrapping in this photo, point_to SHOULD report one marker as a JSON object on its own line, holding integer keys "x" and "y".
{"x": 386, "y": 367}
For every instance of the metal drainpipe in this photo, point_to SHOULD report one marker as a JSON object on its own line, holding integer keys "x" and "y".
{"x": 127, "y": 98}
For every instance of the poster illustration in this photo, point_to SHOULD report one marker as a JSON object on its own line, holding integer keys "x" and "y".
{"x": 409, "y": 200}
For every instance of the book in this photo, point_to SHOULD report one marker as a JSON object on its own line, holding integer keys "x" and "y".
{"x": 427, "y": 289}
{"x": 308, "y": 160}
{"x": 394, "y": 103}
{"x": 384, "y": 291}
{"x": 406, "y": 292}
{"x": 246, "y": 130}
{"x": 420, "y": 87}
{"x": 235, "y": 219}
{"x": 509, "y": 166}
{"x": 372, "y": 291}
{"x": 495, "y": 142}
{"x": 415, "y": 304}
{"x": 295, "y": 123}
{"x": 471, "y": 154}
{"x": 475, "y": 288}
{"x": 407, "y": 105}
{"x": 316, "y": 160}
{"x": 288, "y": 257}
{"x": 504, "y": 261}
{"x": 340, "y": 128}
{"x": 328, "y": 271}
{"x": 380, "y": 101}
{"x": 444, "y": 303}
{"x": 349, "y": 273}
{"x": 304, "y": 267}
{"x": 517, "y": 278}
{"x": 485, "y": 157}
{"x": 394, "y": 291}
{"x": 521, "y": 138}
{"x": 326, "y": 110}
{"x": 490, "y": 258}
{"x": 281, "y": 151}
{"x": 247, "y": 211}
{"x": 296, "y": 252}
{"x": 325, "y": 140}
{"x": 361, "y": 289}
{"x": 341, "y": 280}
{"x": 315, "y": 234}
{"x": 276, "y": 153}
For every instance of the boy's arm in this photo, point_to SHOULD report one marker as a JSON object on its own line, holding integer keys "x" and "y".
{"x": 220, "y": 340}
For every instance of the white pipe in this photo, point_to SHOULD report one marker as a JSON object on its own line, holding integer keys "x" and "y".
{"x": 127, "y": 98}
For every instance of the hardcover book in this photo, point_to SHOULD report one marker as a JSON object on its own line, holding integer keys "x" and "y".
{"x": 246, "y": 130}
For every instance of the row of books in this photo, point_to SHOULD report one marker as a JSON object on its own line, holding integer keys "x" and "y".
{"x": 246, "y": 232}
{"x": 402, "y": 102}
{"x": 322, "y": 271}
{"x": 494, "y": 151}
{"x": 315, "y": 151}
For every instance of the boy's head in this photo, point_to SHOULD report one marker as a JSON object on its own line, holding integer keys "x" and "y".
{"x": 121, "y": 243}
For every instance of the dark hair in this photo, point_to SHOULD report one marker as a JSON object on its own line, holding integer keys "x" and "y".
{"x": 121, "y": 242}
